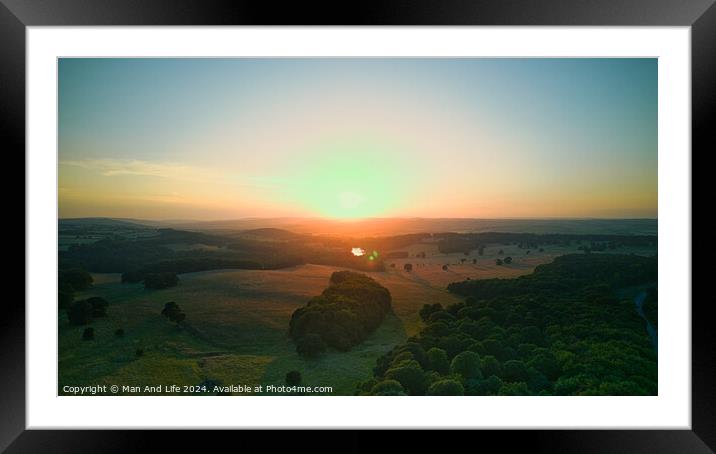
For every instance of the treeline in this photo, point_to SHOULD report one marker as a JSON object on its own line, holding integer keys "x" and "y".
{"x": 113, "y": 255}
{"x": 81, "y": 312}
{"x": 559, "y": 331}
{"x": 351, "y": 308}
{"x": 189, "y": 265}
{"x": 136, "y": 258}
{"x": 465, "y": 242}
{"x": 565, "y": 274}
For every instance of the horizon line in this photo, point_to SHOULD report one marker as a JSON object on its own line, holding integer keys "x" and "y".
{"x": 372, "y": 218}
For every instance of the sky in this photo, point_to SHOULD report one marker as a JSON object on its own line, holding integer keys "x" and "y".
{"x": 212, "y": 139}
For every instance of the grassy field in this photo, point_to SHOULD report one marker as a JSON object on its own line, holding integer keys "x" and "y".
{"x": 237, "y": 322}
{"x": 237, "y": 332}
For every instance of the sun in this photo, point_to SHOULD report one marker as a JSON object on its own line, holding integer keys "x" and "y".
{"x": 349, "y": 180}
{"x": 350, "y": 200}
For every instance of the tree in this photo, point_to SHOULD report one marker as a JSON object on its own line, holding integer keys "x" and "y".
{"x": 64, "y": 298}
{"x": 490, "y": 366}
{"x": 99, "y": 306}
{"x": 428, "y": 309}
{"x": 462, "y": 260}
{"x": 310, "y": 345}
{"x": 531, "y": 335}
{"x": 454, "y": 343}
{"x": 77, "y": 278}
{"x": 416, "y": 350}
{"x": 293, "y": 378}
{"x": 487, "y": 387}
{"x": 408, "y": 267}
{"x": 364, "y": 387}
{"x": 173, "y": 312}
{"x": 474, "y": 261}
{"x": 446, "y": 387}
{"x": 80, "y": 312}
{"x": 514, "y": 389}
{"x": 410, "y": 376}
{"x": 546, "y": 362}
{"x": 466, "y": 364}
{"x": 514, "y": 371}
{"x": 438, "y": 360}
{"x": 498, "y": 262}
{"x": 401, "y": 357}
{"x": 388, "y": 388}
{"x": 508, "y": 260}
{"x": 440, "y": 315}
{"x": 500, "y": 252}
{"x": 88, "y": 334}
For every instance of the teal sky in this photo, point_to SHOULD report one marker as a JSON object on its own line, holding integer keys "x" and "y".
{"x": 231, "y": 138}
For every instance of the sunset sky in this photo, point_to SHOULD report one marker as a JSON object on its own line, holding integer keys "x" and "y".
{"x": 349, "y": 138}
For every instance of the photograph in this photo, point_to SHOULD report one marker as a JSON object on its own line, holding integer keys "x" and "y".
{"x": 357, "y": 226}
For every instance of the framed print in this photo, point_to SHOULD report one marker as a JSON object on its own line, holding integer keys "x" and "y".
{"x": 388, "y": 220}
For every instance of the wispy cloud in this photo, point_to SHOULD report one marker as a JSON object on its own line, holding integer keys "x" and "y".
{"x": 114, "y": 167}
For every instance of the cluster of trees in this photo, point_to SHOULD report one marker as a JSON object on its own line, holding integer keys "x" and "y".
{"x": 293, "y": 378}
{"x": 565, "y": 274}
{"x": 352, "y": 307}
{"x": 79, "y": 312}
{"x": 559, "y": 331}
{"x": 69, "y": 282}
{"x": 466, "y": 242}
{"x": 194, "y": 264}
{"x": 82, "y": 312}
{"x": 173, "y": 312}
{"x": 599, "y": 247}
{"x": 114, "y": 255}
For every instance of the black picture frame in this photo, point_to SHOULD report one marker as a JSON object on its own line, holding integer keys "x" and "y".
{"x": 700, "y": 15}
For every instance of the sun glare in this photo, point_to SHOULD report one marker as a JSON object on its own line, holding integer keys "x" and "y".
{"x": 358, "y": 252}
{"x": 349, "y": 178}
{"x": 350, "y": 200}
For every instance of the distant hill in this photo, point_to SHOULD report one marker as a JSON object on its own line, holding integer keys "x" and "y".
{"x": 270, "y": 233}
{"x": 282, "y": 227}
{"x": 104, "y": 222}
